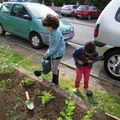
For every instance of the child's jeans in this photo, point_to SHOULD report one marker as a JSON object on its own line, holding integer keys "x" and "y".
{"x": 85, "y": 70}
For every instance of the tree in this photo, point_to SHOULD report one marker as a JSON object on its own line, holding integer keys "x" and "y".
{"x": 101, "y": 4}
{"x": 61, "y": 2}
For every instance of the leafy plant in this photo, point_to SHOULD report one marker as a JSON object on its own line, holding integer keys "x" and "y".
{"x": 46, "y": 97}
{"x": 67, "y": 112}
{"x": 4, "y": 84}
{"x": 27, "y": 81}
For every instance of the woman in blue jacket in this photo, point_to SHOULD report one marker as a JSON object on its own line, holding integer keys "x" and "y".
{"x": 56, "y": 45}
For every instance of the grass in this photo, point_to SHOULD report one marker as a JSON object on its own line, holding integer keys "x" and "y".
{"x": 109, "y": 104}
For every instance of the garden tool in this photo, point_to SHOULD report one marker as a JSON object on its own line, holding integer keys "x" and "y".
{"x": 46, "y": 67}
{"x": 28, "y": 102}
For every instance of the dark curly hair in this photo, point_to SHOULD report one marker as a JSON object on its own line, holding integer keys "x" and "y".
{"x": 51, "y": 21}
{"x": 90, "y": 47}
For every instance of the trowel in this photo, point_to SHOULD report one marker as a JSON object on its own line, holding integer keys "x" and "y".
{"x": 28, "y": 102}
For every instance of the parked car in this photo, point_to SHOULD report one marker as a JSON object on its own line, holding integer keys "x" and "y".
{"x": 87, "y": 11}
{"x": 107, "y": 38}
{"x": 0, "y": 4}
{"x": 68, "y": 10}
{"x": 24, "y": 20}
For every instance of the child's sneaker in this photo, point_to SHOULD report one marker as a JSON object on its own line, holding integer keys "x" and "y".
{"x": 88, "y": 92}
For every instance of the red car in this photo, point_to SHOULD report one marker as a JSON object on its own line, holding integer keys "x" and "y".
{"x": 87, "y": 11}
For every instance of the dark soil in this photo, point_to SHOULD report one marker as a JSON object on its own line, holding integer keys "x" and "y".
{"x": 15, "y": 93}
{"x": 14, "y": 98}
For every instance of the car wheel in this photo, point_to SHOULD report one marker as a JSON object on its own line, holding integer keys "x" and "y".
{"x": 36, "y": 41}
{"x": 77, "y": 17}
{"x": 2, "y": 31}
{"x": 89, "y": 17}
{"x": 112, "y": 64}
{"x": 72, "y": 14}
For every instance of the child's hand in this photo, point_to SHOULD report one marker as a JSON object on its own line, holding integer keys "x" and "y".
{"x": 80, "y": 62}
{"x": 90, "y": 61}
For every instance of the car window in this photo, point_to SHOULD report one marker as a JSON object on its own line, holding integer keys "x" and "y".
{"x": 117, "y": 16}
{"x": 93, "y": 8}
{"x": 74, "y": 7}
{"x": 19, "y": 11}
{"x": 40, "y": 11}
{"x": 82, "y": 7}
{"x": 5, "y": 8}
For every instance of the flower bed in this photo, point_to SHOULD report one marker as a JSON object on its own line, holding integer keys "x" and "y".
{"x": 15, "y": 107}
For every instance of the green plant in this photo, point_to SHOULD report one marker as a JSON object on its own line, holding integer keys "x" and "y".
{"x": 27, "y": 82}
{"x": 7, "y": 59}
{"x": 4, "y": 84}
{"x": 59, "y": 118}
{"x": 90, "y": 113}
{"x": 46, "y": 97}
{"x": 67, "y": 112}
{"x": 36, "y": 91}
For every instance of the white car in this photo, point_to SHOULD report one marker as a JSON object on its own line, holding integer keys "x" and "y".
{"x": 107, "y": 38}
{"x": 68, "y": 10}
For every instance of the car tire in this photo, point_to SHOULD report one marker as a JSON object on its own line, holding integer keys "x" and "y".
{"x": 77, "y": 17}
{"x": 89, "y": 17}
{"x": 36, "y": 41}
{"x": 109, "y": 64}
{"x": 72, "y": 14}
{"x": 2, "y": 31}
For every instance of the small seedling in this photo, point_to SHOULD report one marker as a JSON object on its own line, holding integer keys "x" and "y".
{"x": 90, "y": 113}
{"x": 46, "y": 97}
{"x": 67, "y": 112}
{"x": 27, "y": 82}
{"x": 4, "y": 84}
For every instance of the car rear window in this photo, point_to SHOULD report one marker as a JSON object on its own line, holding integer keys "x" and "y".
{"x": 117, "y": 16}
{"x": 74, "y": 7}
{"x": 82, "y": 7}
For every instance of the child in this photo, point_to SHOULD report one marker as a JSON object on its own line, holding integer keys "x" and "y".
{"x": 56, "y": 45}
{"x": 84, "y": 58}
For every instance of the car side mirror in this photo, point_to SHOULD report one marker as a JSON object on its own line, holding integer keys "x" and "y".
{"x": 28, "y": 17}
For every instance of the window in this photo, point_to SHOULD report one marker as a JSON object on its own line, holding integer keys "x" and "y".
{"x": 5, "y": 8}
{"x": 19, "y": 11}
{"x": 117, "y": 16}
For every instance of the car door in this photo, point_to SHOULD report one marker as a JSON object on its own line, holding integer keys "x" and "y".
{"x": 20, "y": 25}
{"x": 4, "y": 16}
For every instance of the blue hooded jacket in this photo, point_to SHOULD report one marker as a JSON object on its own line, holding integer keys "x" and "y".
{"x": 56, "y": 44}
